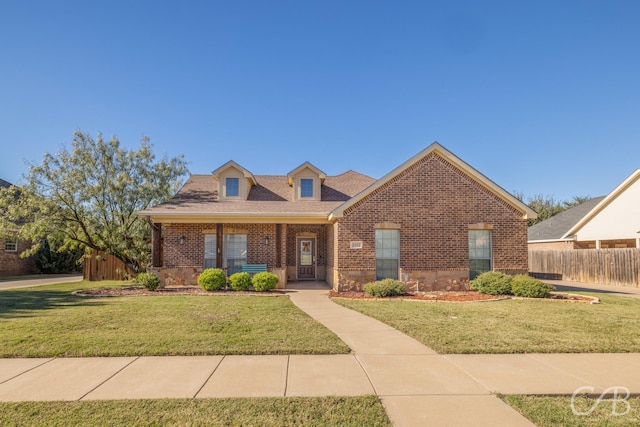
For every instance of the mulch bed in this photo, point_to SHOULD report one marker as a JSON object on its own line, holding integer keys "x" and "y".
{"x": 131, "y": 291}
{"x": 469, "y": 296}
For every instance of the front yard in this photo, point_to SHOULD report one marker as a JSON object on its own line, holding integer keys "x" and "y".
{"x": 513, "y": 326}
{"x": 49, "y": 321}
{"x": 298, "y": 411}
{"x": 551, "y": 411}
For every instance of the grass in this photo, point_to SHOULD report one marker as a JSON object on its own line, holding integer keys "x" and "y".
{"x": 513, "y": 326}
{"x": 558, "y": 411}
{"x": 322, "y": 411}
{"x": 49, "y": 321}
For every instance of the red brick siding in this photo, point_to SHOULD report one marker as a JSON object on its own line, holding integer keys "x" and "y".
{"x": 11, "y": 264}
{"x": 434, "y": 203}
{"x": 321, "y": 242}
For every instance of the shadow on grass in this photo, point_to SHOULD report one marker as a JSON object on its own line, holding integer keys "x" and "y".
{"x": 25, "y": 302}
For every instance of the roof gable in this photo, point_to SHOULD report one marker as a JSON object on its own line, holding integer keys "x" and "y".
{"x": 306, "y": 165}
{"x": 231, "y": 164}
{"x": 630, "y": 183}
{"x": 439, "y": 150}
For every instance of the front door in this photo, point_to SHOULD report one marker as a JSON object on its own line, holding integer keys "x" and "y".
{"x": 307, "y": 258}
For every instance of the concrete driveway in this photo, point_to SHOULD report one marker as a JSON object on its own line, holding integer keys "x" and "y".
{"x": 45, "y": 279}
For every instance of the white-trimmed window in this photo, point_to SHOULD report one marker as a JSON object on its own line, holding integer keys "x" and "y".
{"x": 479, "y": 252}
{"x": 210, "y": 251}
{"x": 387, "y": 254}
{"x": 234, "y": 252}
{"x": 306, "y": 187}
{"x": 10, "y": 245}
{"x": 232, "y": 187}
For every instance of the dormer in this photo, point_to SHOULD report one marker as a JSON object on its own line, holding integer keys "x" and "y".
{"x": 234, "y": 181}
{"x": 306, "y": 181}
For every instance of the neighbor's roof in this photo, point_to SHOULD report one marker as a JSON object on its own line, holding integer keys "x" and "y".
{"x": 4, "y": 183}
{"x": 556, "y": 227}
{"x": 198, "y": 199}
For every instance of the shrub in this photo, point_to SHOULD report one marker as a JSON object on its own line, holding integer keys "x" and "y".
{"x": 492, "y": 283}
{"x": 212, "y": 279}
{"x": 264, "y": 281}
{"x": 530, "y": 287}
{"x": 240, "y": 281}
{"x": 384, "y": 288}
{"x": 150, "y": 281}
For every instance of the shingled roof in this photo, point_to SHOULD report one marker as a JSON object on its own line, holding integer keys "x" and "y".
{"x": 557, "y": 226}
{"x": 272, "y": 195}
{"x": 4, "y": 183}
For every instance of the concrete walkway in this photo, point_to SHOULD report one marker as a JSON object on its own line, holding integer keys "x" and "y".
{"x": 417, "y": 386}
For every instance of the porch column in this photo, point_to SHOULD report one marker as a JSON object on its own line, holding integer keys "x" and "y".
{"x": 219, "y": 244}
{"x": 278, "y": 245}
{"x": 156, "y": 245}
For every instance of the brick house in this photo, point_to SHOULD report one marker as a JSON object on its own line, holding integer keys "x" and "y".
{"x": 433, "y": 222}
{"x": 10, "y": 249}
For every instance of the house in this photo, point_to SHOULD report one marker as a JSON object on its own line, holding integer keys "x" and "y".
{"x": 611, "y": 221}
{"x": 432, "y": 222}
{"x": 10, "y": 249}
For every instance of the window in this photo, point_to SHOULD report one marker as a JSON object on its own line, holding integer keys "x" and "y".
{"x": 233, "y": 187}
{"x": 11, "y": 245}
{"x": 235, "y": 252}
{"x": 479, "y": 252}
{"x": 306, "y": 187}
{"x": 387, "y": 254}
{"x": 210, "y": 251}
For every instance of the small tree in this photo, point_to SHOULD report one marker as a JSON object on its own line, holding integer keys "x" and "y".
{"x": 88, "y": 197}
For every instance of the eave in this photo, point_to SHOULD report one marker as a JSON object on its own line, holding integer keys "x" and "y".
{"x": 240, "y": 218}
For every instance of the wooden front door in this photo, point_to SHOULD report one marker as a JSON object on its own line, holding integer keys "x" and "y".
{"x": 306, "y": 258}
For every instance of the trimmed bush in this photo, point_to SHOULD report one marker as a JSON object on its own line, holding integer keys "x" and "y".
{"x": 149, "y": 280}
{"x": 492, "y": 283}
{"x": 384, "y": 288}
{"x": 240, "y": 281}
{"x": 265, "y": 281}
{"x": 212, "y": 279}
{"x": 530, "y": 287}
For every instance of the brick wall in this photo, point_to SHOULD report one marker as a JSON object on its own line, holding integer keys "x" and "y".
{"x": 12, "y": 265}
{"x": 191, "y": 253}
{"x": 321, "y": 242}
{"x": 434, "y": 203}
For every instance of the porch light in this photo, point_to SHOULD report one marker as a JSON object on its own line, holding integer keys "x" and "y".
{"x": 182, "y": 240}
{"x": 266, "y": 240}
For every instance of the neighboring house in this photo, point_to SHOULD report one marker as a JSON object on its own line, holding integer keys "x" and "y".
{"x": 10, "y": 262}
{"x": 433, "y": 222}
{"x": 612, "y": 221}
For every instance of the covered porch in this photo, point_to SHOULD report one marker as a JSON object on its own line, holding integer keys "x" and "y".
{"x": 294, "y": 252}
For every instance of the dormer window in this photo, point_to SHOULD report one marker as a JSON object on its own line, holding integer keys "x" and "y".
{"x": 232, "y": 187}
{"x": 306, "y": 187}
{"x": 306, "y": 182}
{"x": 234, "y": 181}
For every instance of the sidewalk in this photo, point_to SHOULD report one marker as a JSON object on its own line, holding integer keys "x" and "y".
{"x": 416, "y": 385}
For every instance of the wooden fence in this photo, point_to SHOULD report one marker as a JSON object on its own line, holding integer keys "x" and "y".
{"x": 618, "y": 267}
{"x": 102, "y": 266}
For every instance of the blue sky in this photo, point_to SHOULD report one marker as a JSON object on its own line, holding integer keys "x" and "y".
{"x": 543, "y": 97}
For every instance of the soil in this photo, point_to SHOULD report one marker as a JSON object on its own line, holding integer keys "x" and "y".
{"x": 469, "y": 296}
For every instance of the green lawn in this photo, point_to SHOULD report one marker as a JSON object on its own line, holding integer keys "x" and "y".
{"x": 299, "y": 411}
{"x": 552, "y": 411}
{"x": 513, "y": 326}
{"x": 50, "y": 321}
